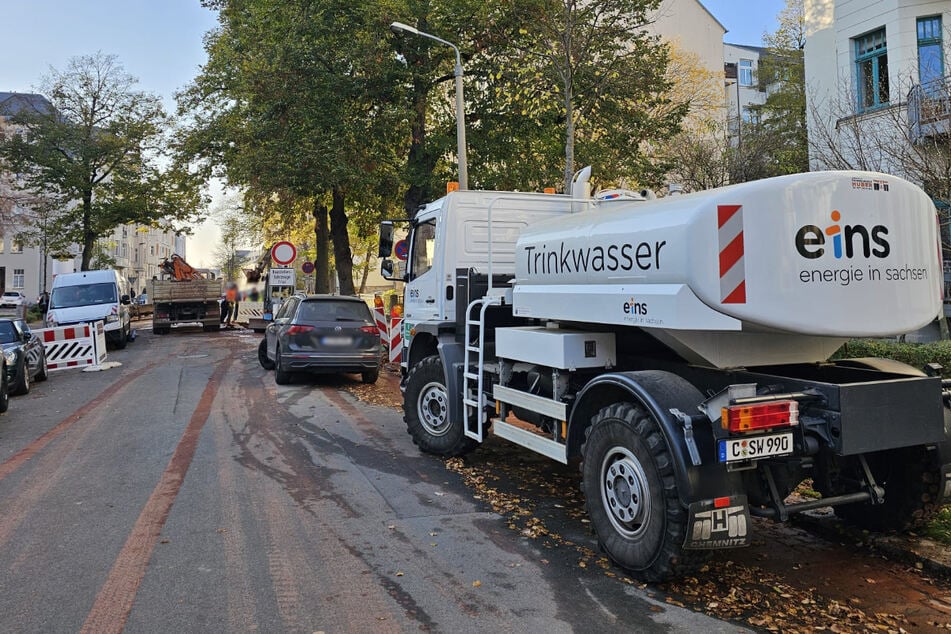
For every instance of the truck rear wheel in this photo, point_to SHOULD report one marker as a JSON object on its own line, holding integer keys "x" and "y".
{"x": 426, "y": 412}
{"x": 631, "y": 494}
{"x": 911, "y": 478}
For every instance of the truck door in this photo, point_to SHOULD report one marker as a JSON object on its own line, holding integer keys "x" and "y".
{"x": 422, "y": 288}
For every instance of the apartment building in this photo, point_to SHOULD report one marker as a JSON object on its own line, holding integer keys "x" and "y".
{"x": 872, "y": 66}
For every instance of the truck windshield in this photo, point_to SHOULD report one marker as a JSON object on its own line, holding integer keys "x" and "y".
{"x": 424, "y": 239}
{"x": 84, "y": 295}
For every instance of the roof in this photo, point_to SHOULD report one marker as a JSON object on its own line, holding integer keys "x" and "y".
{"x": 762, "y": 50}
{"x": 710, "y": 13}
{"x": 13, "y": 103}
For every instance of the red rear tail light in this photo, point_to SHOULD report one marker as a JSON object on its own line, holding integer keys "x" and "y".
{"x": 370, "y": 330}
{"x": 299, "y": 330}
{"x": 760, "y": 416}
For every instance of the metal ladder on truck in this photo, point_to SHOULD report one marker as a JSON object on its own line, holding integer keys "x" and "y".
{"x": 473, "y": 374}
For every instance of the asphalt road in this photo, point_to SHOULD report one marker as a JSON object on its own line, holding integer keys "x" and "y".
{"x": 184, "y": 491}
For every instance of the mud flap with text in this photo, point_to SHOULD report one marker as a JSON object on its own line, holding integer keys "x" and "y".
{"x": 717, "y": 525}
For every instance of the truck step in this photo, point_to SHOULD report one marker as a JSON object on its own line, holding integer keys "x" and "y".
{"x": 530, "y": 440}
{"x": 532, "y": 402}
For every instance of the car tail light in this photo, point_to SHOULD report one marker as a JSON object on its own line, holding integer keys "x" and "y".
{"x": 760, "y": 416}
{"x": 370, "y": 330}
{"x": 299, "y": 330}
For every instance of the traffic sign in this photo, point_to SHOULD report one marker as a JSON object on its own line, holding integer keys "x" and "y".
{"x": 401, "y": 249}
{"x": 283, "y": 252}
{"x": 307, "y": 267}
{"x": 283, "y": 277}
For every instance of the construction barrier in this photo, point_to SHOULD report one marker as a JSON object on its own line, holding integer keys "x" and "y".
{"x": 75, "y": 346}
{"x": 391, "y": 333}
{"x": 250, "y": 310}
{"x": 395, "y": 339}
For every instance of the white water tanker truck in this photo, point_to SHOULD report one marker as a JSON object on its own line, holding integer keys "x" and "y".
{"x": 679, "y": 348}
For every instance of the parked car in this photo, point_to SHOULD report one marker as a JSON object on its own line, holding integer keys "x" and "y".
{"x": 24, "y": 355}
{"x": 12, "y": 299}
{"x": 321, "y": 334}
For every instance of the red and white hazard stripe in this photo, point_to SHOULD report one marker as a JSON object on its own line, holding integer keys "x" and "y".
{"x": 395, "y": 338}
{"x": 732, "y": 261}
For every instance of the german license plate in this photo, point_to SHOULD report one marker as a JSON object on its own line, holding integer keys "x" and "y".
{"x": 736, "y": 449}
{"x": 337, "y": 341}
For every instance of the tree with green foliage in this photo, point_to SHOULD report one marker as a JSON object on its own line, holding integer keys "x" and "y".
{"x": 782, "y": 74}
{"x": 95, "y": 159}
{"x": 583, "y": 81}
{"x": 294, "y": 102}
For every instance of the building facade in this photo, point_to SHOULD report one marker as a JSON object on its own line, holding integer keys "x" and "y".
{"x": 874, "y": 68}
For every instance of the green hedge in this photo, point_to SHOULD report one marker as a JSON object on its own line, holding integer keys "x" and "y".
{"x": 914, "y": 354}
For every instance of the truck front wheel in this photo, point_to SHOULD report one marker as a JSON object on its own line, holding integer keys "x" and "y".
{"x": 426, "y": 412}
{"x": 631, "y": 494}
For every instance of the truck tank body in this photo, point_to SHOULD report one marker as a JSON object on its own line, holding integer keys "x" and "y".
{"x": 772, "y": 271}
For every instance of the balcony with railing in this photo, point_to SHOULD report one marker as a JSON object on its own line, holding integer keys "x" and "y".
{"x": 929, "y": 109}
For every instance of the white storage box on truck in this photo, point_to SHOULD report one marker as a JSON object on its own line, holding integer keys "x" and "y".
{"x": 92, "y": 296}
{"x": 679, "y": 348}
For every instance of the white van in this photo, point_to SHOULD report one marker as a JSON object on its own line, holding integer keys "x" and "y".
{"x": 92, "y": 296}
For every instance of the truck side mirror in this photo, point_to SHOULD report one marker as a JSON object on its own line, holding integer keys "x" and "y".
{"x": 386, "y": 266}
{"x": 386, "y": 239}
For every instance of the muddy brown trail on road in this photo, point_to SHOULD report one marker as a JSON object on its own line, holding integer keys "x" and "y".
{"x": 790, "y": 579}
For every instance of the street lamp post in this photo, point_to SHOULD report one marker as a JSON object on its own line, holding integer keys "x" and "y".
{"x": 399, "y": 27}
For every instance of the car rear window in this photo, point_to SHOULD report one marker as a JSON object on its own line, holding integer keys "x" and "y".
{"x": 333, "y": 311}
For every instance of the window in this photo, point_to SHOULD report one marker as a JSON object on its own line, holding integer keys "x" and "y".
{"x": 930, "y": 58}
{"x": 871, "y": 70}
{"x": 424, "y": 241}
{"x": 16, "y": 245}
{"x": 18, "y": 278}
{"x": 746, "y": 72}
{"x": 750, "y": 115}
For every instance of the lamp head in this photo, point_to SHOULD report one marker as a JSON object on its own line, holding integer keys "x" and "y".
{"x": 399, "y": 27}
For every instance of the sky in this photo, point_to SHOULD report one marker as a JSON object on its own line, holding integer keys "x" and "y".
{"x": 160, "y": 43}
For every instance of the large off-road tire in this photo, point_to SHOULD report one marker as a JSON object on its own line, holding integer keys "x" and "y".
{"x": 266, "y": 363}
{"x": 281, "y": 376}
{"x": 22, "y": 385}
{"x": 911, "y": 478}
{"x": 426, "y": 412}
{"x": 631, "y": 495}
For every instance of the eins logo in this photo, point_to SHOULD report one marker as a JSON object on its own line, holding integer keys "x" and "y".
{"x": 847, "y": 241}
{"x": 632, "y": 307}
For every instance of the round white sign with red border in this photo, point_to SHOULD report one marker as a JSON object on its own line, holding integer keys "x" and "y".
{"x": 283, "y": 253}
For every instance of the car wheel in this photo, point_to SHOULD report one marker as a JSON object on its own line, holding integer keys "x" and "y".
{"x": 4, "y": 390}
{"x": 281, "y": 376}
{"x": 122, "y": 339}
{"x": 370, "y": 376}
{"x": 266, "y": 363}
{"x": 22, "y": 385}
{"x": 44, "y": 372}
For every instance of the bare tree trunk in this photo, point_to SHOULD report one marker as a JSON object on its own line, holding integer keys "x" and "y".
{"x": 322, "y": 257}
{"x": 89, "y": 238}
{"x": 343, "y": 256}
{"x": 365, "y": 268}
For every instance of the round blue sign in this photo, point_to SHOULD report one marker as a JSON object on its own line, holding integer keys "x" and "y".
{"x": 401, "y": 249}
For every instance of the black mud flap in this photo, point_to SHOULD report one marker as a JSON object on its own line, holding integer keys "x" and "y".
{"x": 710, "y": 527}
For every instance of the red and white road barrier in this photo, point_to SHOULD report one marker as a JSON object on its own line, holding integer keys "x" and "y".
{"x": 249, "y": 310}
{"x": 75, "y": 346}
{"x": 395, "y": 339}
{"x": 391, "y": 333}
